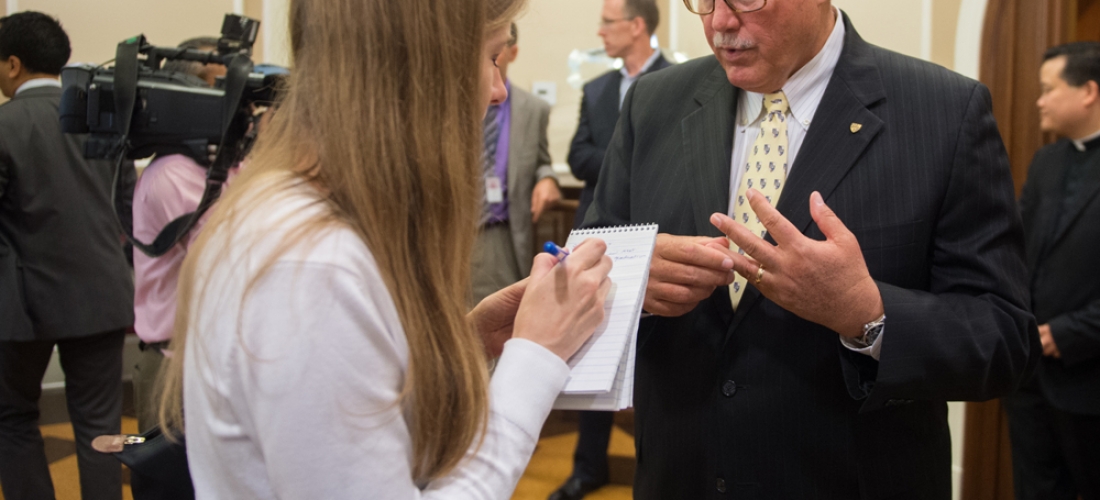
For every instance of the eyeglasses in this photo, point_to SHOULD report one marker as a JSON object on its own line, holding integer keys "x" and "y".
{"x": 704, "y": 7}
{"x": 606, "y": 23}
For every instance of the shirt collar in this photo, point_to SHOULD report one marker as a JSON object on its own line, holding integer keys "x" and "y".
{"x": 645, "y": 67}
{"x": 37, "y": 83}
{"x": 1083, "y": 143}
{"x": 808, "y": 81}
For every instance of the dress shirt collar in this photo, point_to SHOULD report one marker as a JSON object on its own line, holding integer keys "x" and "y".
{"x": 645, "y": 67}
{"x": 1086, "y": 142}
{"x": 805, "y": 88}
{"x": 38, "y": 82}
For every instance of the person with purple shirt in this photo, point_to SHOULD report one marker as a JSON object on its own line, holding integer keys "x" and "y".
{"x": 519, "y": 184}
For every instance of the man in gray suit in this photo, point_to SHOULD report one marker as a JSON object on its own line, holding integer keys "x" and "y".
{"x": 877, "y": 267}
{"x": 519, "y": 184}
{"x": 64, "y": 281}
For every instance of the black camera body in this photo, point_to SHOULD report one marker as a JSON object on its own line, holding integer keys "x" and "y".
{"x": 137, "y": 109}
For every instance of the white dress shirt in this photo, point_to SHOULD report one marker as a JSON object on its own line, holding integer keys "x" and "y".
{"x": 804, "y": 91}
{"x": 629, "y": 80}
{"x": 296, "y": 392}
{"x": 38, "y": 83}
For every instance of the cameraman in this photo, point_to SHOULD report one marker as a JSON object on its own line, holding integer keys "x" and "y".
{"x": 171, "y": 186}
{"x": 64, "y": 280}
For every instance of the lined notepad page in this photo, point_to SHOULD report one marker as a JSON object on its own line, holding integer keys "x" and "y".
{"x": 602, "y": 371}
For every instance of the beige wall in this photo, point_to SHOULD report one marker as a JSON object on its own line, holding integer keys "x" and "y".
{"x": 96, "y": 27}
{"x": 549, "y": 30}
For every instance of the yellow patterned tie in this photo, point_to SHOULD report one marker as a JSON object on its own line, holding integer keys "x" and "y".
{"x": 765, "y": 171}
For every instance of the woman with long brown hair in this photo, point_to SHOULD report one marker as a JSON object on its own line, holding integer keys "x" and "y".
{"x": 323, "y": 349}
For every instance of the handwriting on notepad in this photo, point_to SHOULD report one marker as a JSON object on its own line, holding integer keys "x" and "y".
{"x": 598, "y": 367}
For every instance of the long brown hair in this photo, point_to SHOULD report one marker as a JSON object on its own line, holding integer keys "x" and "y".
{"x": 382, "y": 113}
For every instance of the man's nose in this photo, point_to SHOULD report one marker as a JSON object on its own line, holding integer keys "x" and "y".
{"x": 723, "y": 18}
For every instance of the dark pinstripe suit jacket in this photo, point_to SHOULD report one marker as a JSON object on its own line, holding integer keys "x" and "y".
{"x": 764, "y": 405}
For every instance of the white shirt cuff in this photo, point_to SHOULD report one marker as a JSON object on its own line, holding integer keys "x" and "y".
{"x": 872, "y": 350}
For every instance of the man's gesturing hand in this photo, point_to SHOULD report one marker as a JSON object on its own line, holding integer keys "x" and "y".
{"x": 684, "y": 271}
{"x": 825, "y": 282}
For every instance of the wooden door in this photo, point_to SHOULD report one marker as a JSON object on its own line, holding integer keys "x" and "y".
{"x": 1015, "y": 36}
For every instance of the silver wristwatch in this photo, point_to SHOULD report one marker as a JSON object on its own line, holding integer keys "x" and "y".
{"x": 871, "y": 331}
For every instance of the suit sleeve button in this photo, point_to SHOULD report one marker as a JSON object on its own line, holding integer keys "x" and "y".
{"x": 721, "y": 485}
{"x": 729, "y": 388}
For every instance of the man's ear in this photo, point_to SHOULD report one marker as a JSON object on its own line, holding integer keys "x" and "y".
{"x": 637, "y": 25}
{"x": 1092, "y": 93}
{"x": 15, "y": 67}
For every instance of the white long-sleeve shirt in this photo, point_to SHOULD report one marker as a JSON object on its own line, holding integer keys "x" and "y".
{"x": 297, "y": 395}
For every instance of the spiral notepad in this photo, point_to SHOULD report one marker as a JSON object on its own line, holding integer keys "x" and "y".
{"x": 602, "y": 371}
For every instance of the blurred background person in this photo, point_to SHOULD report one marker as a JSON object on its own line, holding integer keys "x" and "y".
{"x": 519, "y": 183}
{"x": 64, "y": 280}
{"x": 171, "y": 186}
{"x": 1054, "y": 419}
{"x": 323, "y": 347}
{"x": 626, "y": 27}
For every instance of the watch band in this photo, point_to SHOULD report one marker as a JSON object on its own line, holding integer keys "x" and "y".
{"x": 871, "y": 331}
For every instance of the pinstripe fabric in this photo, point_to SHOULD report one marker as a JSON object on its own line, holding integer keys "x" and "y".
{"x": 770, "y": 404}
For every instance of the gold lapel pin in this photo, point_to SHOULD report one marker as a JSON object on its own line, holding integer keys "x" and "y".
{"x": 856, "y": 127}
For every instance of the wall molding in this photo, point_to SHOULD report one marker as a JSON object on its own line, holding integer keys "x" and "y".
{"x": 968, "y": 37}
{"x": 926, "y": 31}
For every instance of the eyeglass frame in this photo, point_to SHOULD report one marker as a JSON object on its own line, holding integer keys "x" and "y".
{"x": 606, "y": 23}
{"x": 687, "y": 3}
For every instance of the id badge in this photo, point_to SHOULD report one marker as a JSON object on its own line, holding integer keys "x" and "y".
{"x": 494, "y": 192}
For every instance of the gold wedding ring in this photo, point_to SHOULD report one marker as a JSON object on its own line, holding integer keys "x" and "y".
{"x": 759, "y": 274}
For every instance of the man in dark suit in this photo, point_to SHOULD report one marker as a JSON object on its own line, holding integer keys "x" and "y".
{"x": 815, "y": 365}
{"x": 626, "y": 27}
{"x": 1054, "y": 420}
{"x": 64, "y": 281}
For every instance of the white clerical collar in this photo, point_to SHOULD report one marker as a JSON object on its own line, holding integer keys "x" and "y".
{"x": 1080, "y": 143}
{"x": 805, "y": 88}
{"x": 645, "y": 67}
{"x": 38, "y": 83}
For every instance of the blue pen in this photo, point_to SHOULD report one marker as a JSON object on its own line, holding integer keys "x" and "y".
{"x": 558, "y": 252}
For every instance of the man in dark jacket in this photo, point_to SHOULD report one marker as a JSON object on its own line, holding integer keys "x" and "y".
{"x": 626, "y": 27}
{"x": 64, "y": 281}
{"x": 1054, "y": 420}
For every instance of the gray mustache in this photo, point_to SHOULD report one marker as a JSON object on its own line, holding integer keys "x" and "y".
{"x": 728, "y": 41}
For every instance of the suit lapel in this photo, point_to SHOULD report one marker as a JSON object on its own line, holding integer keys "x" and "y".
{"x": 607, "y": 103}
{"x": 708, "y": 145}
{"x": 831, "y": 146}
{"x": 1086, "y": 191}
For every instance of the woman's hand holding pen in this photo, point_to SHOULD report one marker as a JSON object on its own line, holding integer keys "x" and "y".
{"x": 563, "y": 303}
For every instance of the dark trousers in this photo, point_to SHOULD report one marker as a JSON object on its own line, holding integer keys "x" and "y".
{"x": 93, "y": 393}
{"x": 590, "y": 457}
{"x": 1055, "y": 454}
